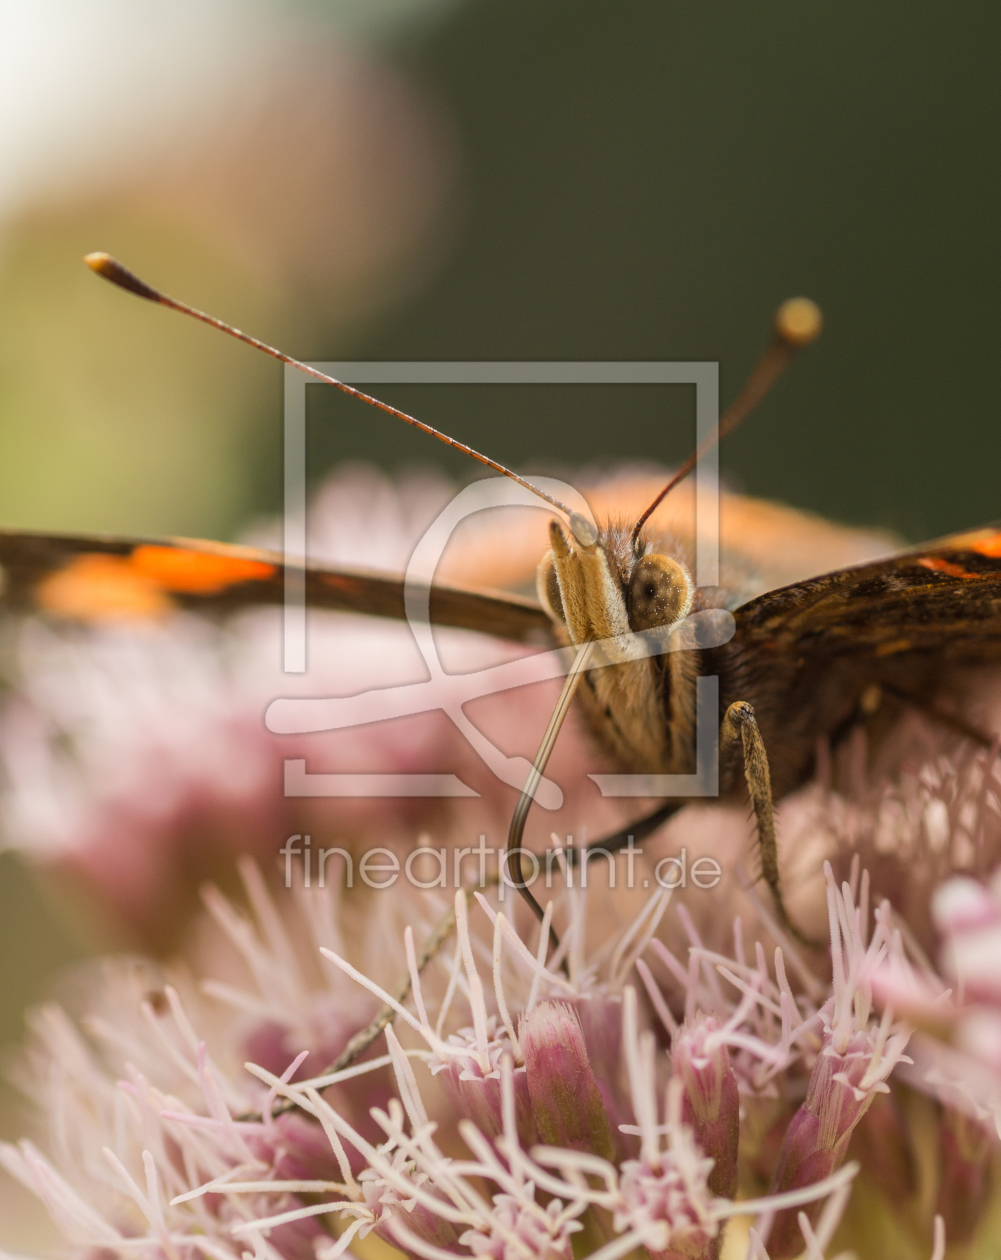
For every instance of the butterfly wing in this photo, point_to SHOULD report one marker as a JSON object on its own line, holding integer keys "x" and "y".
{"x": 942, "y": 598}
{"x": 89, "y": 578}
{"x": 805, "y": 654}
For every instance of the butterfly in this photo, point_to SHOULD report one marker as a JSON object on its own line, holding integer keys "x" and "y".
{"x": 807, "y": 656}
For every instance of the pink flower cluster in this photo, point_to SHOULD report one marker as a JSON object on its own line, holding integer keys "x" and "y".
{"x": 521, "y": 1099}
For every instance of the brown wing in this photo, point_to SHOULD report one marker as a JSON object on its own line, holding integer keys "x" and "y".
{"x": 805, "y": 653}
{"x": 92, "y": 578}
{"x": 942, "y": 599}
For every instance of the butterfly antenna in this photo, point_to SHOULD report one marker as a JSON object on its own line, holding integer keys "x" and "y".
{"x": 797, "y": 322}
{"x": 111, "y": 269}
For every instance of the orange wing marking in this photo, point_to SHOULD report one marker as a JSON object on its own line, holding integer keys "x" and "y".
{"x": 989, "y": 547}
{"x": 98, "y": 587}
{"x": 196, "y": 572}
{"x": 938, "y": 565}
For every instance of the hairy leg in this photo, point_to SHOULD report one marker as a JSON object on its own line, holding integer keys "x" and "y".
{"x": 740, "y": 726}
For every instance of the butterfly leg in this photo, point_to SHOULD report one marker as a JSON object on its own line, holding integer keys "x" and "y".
{"x": 740, "y": 726}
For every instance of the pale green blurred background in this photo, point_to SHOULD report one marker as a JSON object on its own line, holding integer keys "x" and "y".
{"x": 488, "y": 179}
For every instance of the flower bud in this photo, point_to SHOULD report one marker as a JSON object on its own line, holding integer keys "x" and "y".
{"x": 601, "y": 1020}
{"x": 299, "y": 1149}
{"x": 817, "y": 1138}
{"x": 305, "y": 1149}
{"x": 883, "y": 1145}
{"x": 477, "y": 1096}
{"x": 416, "y": 1218}
{"x": 566, "y": 1100}
{"x": 710, "y": 1104}
{"x": 965, "y": 1146}
{"x": 516, "y": 1233}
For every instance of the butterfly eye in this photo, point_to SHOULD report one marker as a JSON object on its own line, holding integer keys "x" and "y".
{"x": 660, "y": 593}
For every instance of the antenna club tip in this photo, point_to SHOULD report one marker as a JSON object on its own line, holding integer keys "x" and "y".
{"x": 98, "y": 261}
{"x": 798, "y": 321}
{"x": 111, "y": 269}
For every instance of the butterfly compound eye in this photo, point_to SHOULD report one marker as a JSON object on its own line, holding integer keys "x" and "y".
{"x": 660, "y": 593}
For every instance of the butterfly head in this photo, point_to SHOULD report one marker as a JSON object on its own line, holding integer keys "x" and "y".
{"x": 602, "y": 587}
